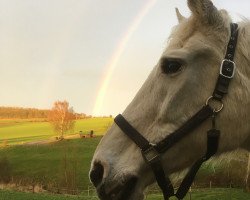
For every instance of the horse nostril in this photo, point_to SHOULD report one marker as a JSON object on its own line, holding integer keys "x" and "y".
{"x": 96, "y": 175}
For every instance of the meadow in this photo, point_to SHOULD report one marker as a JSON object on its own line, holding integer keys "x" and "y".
{"x": 46, "y": 164}
{"x": 17, "y": 131}
{"x": 205, "y": 194}
{"x": 62, "y": 166}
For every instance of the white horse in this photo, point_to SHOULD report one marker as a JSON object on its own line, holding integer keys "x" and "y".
{"x": 176, "y": 89}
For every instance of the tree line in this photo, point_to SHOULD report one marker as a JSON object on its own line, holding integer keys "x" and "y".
{"x": 30, "y": 113}
{"x": 22, "y": 113}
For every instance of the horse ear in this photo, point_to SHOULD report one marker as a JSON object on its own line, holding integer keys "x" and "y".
{"x": 180, "y": 17}
{"x": 205, "y": 11}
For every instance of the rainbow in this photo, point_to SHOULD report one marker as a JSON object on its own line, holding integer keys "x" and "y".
{"x": 111, "y": 65}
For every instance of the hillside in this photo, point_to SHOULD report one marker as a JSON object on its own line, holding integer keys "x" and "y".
{"x": 62, "y": 167}
{"x": 21, "y": 131}
{"x": 47, "y": 164}
{"x": 205, "y": 194}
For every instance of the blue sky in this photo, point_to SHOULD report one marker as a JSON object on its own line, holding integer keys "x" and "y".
{"x": 58, "y": 49}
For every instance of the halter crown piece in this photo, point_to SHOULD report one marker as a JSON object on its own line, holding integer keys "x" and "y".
{"x": 152, "y": 152}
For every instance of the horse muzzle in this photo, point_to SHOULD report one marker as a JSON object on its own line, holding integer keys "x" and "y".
{"x": 120, "y": 188}
{"x": 121, "y": 191}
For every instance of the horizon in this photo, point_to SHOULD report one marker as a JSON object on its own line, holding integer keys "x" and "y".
{"x": 85, "y": 51}
{"x": 49, "y": 109}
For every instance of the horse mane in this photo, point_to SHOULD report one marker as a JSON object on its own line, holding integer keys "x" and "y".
{"x": 244, "y": 42}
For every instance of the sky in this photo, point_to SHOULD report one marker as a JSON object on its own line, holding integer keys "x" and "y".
{"x": 95, "y": 54}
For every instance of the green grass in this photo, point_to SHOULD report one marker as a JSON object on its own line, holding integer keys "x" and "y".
{"x": 98, "y": 125}
{"x": 24, "y": 131}
{"x": 21, "y": 131}
{"x": 210, "y": 194}
{"x": 44, "y": 163}
{"x": 13, "y": 195}
{"x": 205, "y": 194}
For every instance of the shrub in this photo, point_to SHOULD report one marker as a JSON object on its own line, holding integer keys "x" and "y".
{"x": 5, "y": 170}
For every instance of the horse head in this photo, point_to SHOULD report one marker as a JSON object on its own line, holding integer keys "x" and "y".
{"x": 177, "y": 87}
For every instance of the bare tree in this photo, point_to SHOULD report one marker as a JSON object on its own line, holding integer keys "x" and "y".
{"x": 62, "y": 117}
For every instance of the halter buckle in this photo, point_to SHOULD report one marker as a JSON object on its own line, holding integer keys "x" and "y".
{"x": 151, "y": 155}
{"x": 227, "y": 68}
{"x": 216, "y": 105}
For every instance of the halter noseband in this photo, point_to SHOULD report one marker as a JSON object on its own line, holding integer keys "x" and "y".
{"x": 152, "y": 152}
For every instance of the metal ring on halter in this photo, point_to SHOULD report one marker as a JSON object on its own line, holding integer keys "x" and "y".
{"x": 218, "y": 109}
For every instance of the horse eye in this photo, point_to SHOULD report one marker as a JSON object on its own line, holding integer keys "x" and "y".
{"x": 170, "y": 66}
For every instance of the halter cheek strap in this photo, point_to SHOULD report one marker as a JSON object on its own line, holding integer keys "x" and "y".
{"x": 228, "y": 67}
{"x": 152, "y": 152}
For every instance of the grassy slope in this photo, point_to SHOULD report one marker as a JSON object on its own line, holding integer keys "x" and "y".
{"x": 98, "y": 125}
{"x": 214, "y": 194}
{"x": 211, "y": 194}
{"x": 44, "y": 163}
{"x": 12, "y": 195}
{"x": 33, "y": 163}
{"x": 19, "y": 131}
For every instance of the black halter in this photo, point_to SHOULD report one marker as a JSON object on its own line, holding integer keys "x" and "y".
{"x": 152, "y": 152}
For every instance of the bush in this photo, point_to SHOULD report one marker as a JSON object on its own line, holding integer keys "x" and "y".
{"x": 5, "y": 170}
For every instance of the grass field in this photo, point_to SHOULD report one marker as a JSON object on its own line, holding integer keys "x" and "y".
{"x": 12, "y": 195}
{"x": 205, "y": 194}
{"x": 21, "y": 131}
{"x": 44, "y": 163}
{"x": 211, "y": 194}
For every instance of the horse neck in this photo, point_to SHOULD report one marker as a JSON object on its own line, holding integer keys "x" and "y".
{"x": 243, "y": 68}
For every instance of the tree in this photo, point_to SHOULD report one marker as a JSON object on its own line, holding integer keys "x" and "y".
{"x": 62, "y": 117}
